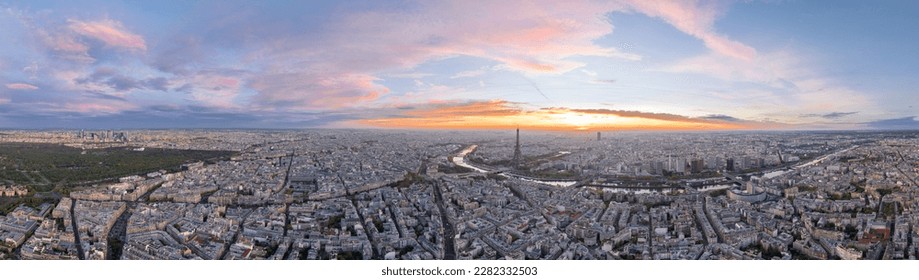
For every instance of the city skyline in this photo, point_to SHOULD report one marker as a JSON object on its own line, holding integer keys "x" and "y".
{"x": 322, "y": 194}
{"x": 607, "y": 65}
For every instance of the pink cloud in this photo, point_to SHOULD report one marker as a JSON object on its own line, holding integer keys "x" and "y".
{"x": 526, "y": 36}
{"x": 316, "y": 91}
{"x": 63, "y": 42}
{"x": 470, "y": 73}
{"x": 342, "y": 71}
{"x": 793, "y": 88}
{"x": 697, "y": 20}
{"x": 68, "y": 43}
{"x": 215, "y": 90}
{"x": 79, "y": 80}
{"x": 110, "y": 32}
{"x": 67, "y": 46}
{"x": 768, "y": 68}
{"x": 21, "y": 86}
{"x": 92, "y": 107}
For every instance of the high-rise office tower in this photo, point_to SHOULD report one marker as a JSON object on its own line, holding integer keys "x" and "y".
{"x": 696, "y": 166}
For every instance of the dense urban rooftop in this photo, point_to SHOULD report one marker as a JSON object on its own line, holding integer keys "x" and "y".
{"x": 388, "y": 194}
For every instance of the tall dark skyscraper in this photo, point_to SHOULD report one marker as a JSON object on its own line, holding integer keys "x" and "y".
{"x": 516, "y": 160}
{"x": 696, "y": 166}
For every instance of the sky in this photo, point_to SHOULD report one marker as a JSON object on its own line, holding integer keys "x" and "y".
{"x": 547, "y": 65}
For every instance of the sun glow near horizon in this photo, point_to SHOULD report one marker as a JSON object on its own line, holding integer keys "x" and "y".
{"x": 502, "y": 115}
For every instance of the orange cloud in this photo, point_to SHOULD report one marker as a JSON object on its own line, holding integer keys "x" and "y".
{"x": 500, "y": 114}
{"x": 110, "y": 32}
{"x": 494, "y": 108}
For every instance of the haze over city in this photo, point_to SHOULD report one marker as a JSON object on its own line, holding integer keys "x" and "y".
{"x": 573, "y": 65}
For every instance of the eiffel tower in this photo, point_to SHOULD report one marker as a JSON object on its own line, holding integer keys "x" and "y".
{"x": 516, "y": 160}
